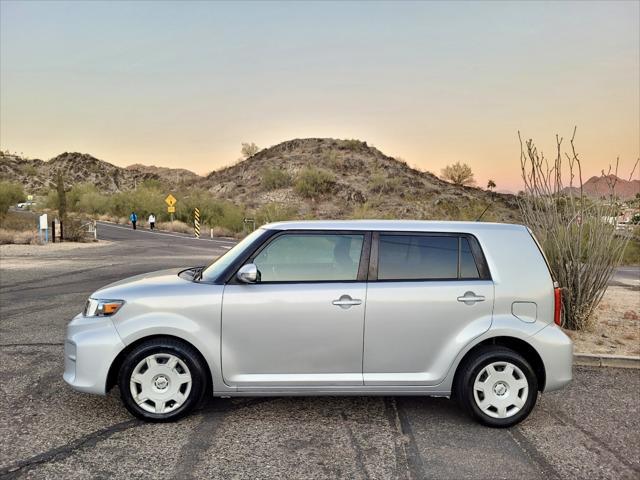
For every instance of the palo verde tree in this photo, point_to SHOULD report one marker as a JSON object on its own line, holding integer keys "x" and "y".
{"x": 249, "y": 150}
{"x": 458, "y": 174}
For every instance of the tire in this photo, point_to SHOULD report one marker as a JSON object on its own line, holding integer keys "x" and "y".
{"x": 162, "y": 380}
{"x": 496, "y": 386}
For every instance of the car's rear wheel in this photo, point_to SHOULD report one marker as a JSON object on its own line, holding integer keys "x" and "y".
{"x": 162, "y": 380}
{"x": 497, "y": 386}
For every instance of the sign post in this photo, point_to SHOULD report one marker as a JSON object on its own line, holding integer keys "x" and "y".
{"x": 43, "y": 224}
{"x": 196, "y": 222}
{"x": 171, "y": 205}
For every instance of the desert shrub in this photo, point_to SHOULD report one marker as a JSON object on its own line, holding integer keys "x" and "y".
{"x": 275, "y": 212}
{"x": 273, "y": 178}
{"x": 213, "y": 212}
{"x": 18, "y": 221}
{"x": 175, "y": 226}
{"x": 313, "y": 182}
{"x": 332, "y": 160}
{"x": 76, "y": 230}
{"x": 249, "y": 150}
{"x": 352, "y": 144}
{"x": 380, "y": 183}
{"x": 21, "y": 237}
{"x": 458, "y": 174}
{"x": 10, "y": 194}
{"x": 631, "y": 254}
{"x": 582, "y": 246}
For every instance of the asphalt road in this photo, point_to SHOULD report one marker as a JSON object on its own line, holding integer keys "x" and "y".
{"x": 589, "y": 430}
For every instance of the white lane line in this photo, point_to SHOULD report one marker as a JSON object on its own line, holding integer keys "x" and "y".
{"x": 103, "y": 224}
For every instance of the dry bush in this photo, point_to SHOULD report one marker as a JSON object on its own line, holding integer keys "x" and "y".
{"x": 576, "y": 233}
{"x": 19, "y": 237}
{"x": 220, "y": 232}
{"x": 458, "y": 174}
{"x": 175, "y": 226}
{"x": 274, "y": 178}
{"x": 76, "y": 230}
{"x": 314, "y": 182}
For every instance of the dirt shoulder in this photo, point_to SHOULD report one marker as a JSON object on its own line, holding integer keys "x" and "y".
{"x": 616, "y": 330}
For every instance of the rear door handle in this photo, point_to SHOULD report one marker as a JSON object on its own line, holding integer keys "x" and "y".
{"x": 469, "y": 298}
{"x": 345, "y": 301}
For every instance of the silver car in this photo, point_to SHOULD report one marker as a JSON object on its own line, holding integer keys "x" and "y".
{"x": 464, "y": 310}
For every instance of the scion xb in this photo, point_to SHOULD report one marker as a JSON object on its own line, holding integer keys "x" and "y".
{"x": 454, "y": 309}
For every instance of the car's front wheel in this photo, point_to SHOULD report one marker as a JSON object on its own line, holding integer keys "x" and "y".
{"x": 162, "y": 380}
{"x": 497, "y": 386}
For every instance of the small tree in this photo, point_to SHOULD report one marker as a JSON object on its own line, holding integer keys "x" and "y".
{"x": 458, "y": 174}
{"x": 491, "y": 185}
{"x": 10, "y": 194}
{"x": 249, "y": 150}
{"x": 577, "y": 234}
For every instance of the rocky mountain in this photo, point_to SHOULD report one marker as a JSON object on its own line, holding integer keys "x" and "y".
{"x": 170, "y": 175}
{"x": 363, "y": 182}
{"x": 37, "y": 176}
{"x": 598, "y": 187}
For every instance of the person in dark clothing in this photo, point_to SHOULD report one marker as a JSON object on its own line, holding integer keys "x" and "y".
{"x": 134, "y": 219}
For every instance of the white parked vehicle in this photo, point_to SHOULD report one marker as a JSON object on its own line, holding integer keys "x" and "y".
{"x": 464, "y": 310}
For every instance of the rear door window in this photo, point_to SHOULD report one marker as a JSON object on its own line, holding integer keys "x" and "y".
{"x": 425, "y": 257}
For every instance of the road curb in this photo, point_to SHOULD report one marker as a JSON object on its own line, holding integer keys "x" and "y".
{"x": 617, "y": 361}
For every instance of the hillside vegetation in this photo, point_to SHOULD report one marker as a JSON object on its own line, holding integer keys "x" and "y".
{"x": 302, "y": 178}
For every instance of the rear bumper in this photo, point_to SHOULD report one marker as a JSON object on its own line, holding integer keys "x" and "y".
{"x": 556, "y": 350}
{"x": 91, "y": 345}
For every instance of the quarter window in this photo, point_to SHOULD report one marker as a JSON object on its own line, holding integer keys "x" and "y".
{"x": 425, "y": 257}
{"x": 310, "y": 257}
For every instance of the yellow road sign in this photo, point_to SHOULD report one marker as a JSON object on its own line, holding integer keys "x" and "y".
{"x": 196, "y": 222}
{"x": 171, "y": 209}
{"x": 170, "y": 200}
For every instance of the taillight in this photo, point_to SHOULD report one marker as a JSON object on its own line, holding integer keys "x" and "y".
{"x": 557, "y": 307}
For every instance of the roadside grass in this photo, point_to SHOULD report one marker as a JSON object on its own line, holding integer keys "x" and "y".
{"x": 18, "y": 228}
{"x": 631, "y": 254}
{"x": 176, "y": 226}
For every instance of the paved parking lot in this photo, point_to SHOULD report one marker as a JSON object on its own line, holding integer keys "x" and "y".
{"x": 590, "y": 430}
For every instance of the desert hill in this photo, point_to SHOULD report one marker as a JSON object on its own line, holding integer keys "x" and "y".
{"x": 38, "y": 176}
{"x": 170, "y": 175}
{"x": 357, "y": 180}
{"x": 364, "y": 182}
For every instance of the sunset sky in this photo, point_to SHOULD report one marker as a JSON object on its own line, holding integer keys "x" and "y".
{"x": 183, "y": 84}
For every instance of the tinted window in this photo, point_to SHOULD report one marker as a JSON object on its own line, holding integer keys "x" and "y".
{"x": 214, "y": 270}
{"x": 405, "y": 257}
{"x": 468, "y": 267}
{"x": 305, "y": 257}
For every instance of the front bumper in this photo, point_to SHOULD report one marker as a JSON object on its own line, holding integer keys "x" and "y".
{"x": 556, "y": 350}
{"x": 91, "y": 345}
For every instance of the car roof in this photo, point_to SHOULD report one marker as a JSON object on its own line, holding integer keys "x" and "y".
{"x": 392, "y": 225}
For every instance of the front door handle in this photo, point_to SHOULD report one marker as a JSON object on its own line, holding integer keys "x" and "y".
{"x": 345, "y": 301}
{"x": 469, "y": 298}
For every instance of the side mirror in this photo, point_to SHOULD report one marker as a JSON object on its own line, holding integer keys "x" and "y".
{"x": 248, "y": 273}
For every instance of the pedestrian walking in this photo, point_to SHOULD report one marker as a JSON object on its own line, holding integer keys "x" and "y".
{"x": 134, "y": 219}
{"x": 152, "y": 221}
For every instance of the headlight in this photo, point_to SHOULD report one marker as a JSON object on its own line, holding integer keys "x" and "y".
{"x": 101, "y": 308}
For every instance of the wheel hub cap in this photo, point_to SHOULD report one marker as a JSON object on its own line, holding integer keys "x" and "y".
{"x": 500, "y": 389}
{"x": 160, "y": 383}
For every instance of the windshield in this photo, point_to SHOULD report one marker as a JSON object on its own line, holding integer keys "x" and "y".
{"x": 213, "y": 271}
